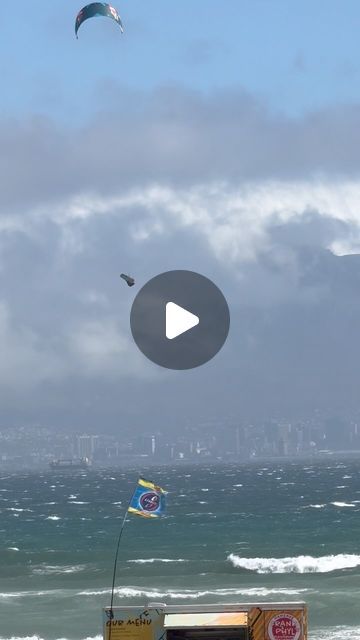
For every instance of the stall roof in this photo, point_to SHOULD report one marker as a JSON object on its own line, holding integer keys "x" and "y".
{"x": 220, "y": 619}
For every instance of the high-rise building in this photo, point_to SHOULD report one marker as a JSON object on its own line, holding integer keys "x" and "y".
{"x": 86, "y": 445}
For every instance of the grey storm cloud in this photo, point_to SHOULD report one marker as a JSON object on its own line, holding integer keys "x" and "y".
{"x": 176, "y": 137}
{"x": 258, "y": 202}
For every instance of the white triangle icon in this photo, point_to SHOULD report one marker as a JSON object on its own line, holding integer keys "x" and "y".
{"x": 178, "y": 320}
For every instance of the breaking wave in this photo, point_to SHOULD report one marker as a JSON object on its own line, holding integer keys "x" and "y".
{"x": 298, "y": 564}
{"x": 192, "y": 594}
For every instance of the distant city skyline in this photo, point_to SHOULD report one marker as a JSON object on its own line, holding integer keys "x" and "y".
{"x": 38, "y": 447}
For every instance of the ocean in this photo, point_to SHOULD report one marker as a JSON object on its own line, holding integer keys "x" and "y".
{"x": 232, "y": 533}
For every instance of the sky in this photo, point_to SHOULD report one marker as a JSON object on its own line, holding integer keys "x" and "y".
{"x": 296, "y": 57}
{"x": 222, "y": 138}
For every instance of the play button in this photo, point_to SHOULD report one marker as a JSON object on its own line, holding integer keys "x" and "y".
{"x": 180, "y": 319}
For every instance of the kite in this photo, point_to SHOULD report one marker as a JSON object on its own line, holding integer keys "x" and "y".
{"x": 97, "y": 9}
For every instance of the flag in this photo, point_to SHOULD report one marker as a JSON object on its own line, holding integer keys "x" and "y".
{"x": 148, "y": 500}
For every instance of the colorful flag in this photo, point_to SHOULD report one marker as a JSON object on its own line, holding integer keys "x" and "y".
{"x": 148, "y": 500}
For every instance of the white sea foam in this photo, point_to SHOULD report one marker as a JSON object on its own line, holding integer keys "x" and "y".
{"x": 335, "y": 633}
{"x": 31, "y": 594}
{"x": 343, "y": 504}
{"x": 314, "y": 506}
{"x": 192, "y": 594}
{"x": 297, "y": 564}
{"x": 13, "y": 549}
{"x": 152, "y": 560}
{"x": 53, "y": 518}
{"x": 48, "y": 569}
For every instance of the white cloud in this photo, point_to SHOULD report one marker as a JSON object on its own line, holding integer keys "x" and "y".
{"x": 89, "y": 334}
{"x": 235, "y": 222}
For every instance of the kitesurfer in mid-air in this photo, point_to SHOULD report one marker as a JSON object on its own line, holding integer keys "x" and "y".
{"x": 128, "y": 279}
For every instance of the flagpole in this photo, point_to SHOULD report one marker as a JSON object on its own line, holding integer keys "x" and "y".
{"x": 115, "y": 563}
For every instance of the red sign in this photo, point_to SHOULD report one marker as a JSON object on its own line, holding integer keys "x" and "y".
{"x": 284, "y": 625}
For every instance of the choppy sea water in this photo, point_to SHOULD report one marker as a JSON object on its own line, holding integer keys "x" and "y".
{"x": 265, "y": 532}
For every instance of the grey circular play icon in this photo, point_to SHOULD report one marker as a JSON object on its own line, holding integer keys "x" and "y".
{"x": 180, "y": 319}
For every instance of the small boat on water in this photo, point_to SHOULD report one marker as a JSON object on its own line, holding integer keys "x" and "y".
{"x": 249, "y": 621}
{"x": 70, "y": 463}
